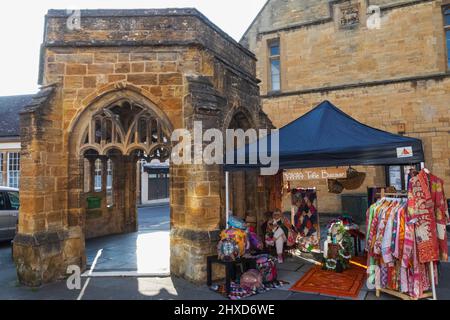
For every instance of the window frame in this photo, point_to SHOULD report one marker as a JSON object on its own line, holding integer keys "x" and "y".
{"x": 403, "y": 174}
{"x": 5, "y": 199}
{"x": 2, "y": 157}
{"x": 110, "y": 183}
{"x": 8, "y": 195}
{"x": 270, "y": 44}
{"x": 13, "y": 174}
{"x": 98, "y": 172}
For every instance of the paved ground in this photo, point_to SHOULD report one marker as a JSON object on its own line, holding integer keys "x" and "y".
{"x": 144, "y": 252}
{"x": 147, "y": 252}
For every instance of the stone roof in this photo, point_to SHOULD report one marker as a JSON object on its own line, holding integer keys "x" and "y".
{"x": 145, "y": 28}
{"x": 129, "y": 13}
{"x": 10, "y": 107}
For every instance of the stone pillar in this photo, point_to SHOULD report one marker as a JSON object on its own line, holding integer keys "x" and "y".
{"x": 196, "y": 190}
{"x": 131, "y": 223}
{"x": 45, "y": 244}
{"x": 138, "y": 183}
{"x": 104, "y": 167}
{"x": 195, "y": 231}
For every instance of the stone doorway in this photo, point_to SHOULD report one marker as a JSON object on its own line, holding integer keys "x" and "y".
{"x": 111, "y": 143}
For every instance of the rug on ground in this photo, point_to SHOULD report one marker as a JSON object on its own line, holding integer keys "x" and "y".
{"x": 345, "y": 284}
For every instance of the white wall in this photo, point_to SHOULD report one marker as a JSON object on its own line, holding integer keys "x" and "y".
{"x": 9, "y": 146}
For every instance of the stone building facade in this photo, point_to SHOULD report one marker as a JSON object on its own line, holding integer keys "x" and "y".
{"x": 395, "y": 77}
{"x": 113, "y": 92}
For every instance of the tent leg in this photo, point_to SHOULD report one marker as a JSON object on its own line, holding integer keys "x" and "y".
{"x": 293, "y": 215}
{"x": 433, "y": 285}
{"x": 227, "y": 196}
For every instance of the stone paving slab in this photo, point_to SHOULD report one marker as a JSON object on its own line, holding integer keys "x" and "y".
{"x": 290, "y": 266}
{"x": 274, "y": 294}
{"x": 289, "y": 276}
{"x": 308, "y": 296}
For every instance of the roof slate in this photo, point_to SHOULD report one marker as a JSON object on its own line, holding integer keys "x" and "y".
{"x": 10, "y": 107}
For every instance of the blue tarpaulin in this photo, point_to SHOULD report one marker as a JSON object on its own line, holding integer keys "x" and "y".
{"x": 328, "y": 137}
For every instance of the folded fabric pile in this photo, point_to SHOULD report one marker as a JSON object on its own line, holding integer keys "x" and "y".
{"x": 237, "y": 292}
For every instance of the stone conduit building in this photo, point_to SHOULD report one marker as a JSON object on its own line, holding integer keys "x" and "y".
{"x": 113, "y": 92}
{"x": 395, "y": 78}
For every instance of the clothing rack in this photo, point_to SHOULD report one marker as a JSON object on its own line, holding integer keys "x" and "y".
{"x": 385, "y": 194}
{"x": 398, "y": 294}
{"x": 404, "y": 296}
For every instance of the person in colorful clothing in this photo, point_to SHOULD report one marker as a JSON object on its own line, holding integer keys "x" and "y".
{"x": 278, "y": 232}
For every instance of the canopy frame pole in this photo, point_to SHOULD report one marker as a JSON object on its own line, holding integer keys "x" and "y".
{"x": 293, "y": 214}
{"x": 433, "y": 285}
{"x": 227, "y": 196}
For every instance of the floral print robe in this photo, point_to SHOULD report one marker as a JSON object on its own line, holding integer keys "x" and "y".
{"x": 427, "y": 208}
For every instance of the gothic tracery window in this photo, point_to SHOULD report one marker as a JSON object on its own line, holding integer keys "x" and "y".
{"x": 127, "y": 126}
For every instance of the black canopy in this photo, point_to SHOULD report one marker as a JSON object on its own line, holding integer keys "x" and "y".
{"x": 327, "y": 137}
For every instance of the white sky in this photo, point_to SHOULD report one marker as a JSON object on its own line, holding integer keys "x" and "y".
{"x": 22, "y": 25}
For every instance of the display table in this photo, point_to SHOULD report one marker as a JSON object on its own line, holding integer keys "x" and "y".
{"x": 230, "y": 269}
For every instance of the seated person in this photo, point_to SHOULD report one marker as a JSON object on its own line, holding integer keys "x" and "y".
{"x": 277, "y": 232}
{"x": 267, "y": 218}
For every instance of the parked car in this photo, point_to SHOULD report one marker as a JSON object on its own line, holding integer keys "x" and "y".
{"x": 9, "y": 212}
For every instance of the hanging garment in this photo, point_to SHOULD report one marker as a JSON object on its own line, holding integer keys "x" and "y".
{"x": 392, "y": 247}
{"x": 427, "y": 207}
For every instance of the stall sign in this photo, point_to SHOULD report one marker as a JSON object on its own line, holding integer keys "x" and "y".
{"x": 315, "y": 174}
{"x": 405, "y": 152}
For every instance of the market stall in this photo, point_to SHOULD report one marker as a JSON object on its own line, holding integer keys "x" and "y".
{"x": 327, "y": 137}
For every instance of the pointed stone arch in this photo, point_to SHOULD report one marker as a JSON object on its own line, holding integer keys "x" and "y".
{"x": 240, "y": 112}
{"x": 120, "y": 125}
{"x": 108, "y": 96}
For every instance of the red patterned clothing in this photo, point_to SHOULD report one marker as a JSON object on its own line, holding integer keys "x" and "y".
{"x": 427, "y": 207}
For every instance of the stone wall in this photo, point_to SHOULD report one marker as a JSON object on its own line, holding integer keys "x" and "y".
{"x": 409, "y": 43}
{"x": 288, "y": 15}
{"x": 421, "y": 105}
{"x": 385, "y": 78}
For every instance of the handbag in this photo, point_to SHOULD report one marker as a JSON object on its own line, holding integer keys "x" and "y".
{"x": 267, "y": 268}
{"x": 354, "y": 179}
